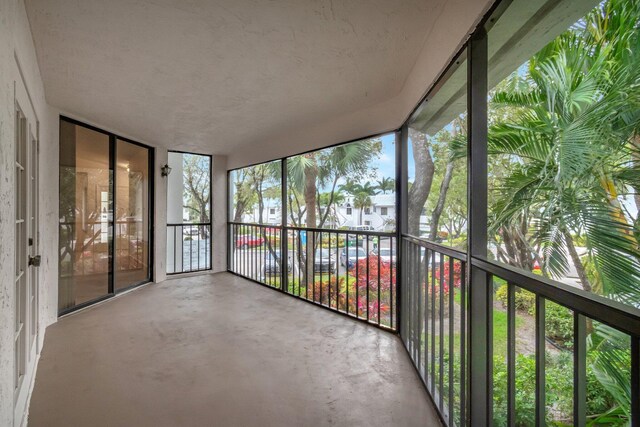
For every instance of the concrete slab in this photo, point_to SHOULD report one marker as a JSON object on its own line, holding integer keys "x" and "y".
{"x": 219, "y": 350}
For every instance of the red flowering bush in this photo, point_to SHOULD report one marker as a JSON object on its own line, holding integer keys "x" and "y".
{"x": 446, "y": 277}
{"x": 349, "y": 293}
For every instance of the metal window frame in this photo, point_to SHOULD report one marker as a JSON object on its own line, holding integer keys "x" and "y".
{"x": 210, "y": 223}
{"x": 113, "y": 138}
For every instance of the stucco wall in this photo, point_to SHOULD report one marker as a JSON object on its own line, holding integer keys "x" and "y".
{"x": 219, "y": 197}
{"x": 17, "y": 48}
{"x": 160, "y": 227}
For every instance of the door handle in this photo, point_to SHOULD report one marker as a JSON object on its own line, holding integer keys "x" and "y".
{"x": 35, "y": 260}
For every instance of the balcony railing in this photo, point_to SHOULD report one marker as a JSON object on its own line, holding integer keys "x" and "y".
{"x": 189, "y": 247}
{"x": 435, "y": 329}
{"x": 434, "y": 321}
{"x": 351, "y": 272}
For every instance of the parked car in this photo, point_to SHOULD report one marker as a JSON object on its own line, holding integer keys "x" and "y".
{"x": 385, "y": 254}
{"x": 191, "y": 230}
{"x": 245, "y": 242}
{"x": 271, "y": 264}
{"x": 362, "y": 228}
{"x": 323, "y": 262}
{"x": 349, "y": 256}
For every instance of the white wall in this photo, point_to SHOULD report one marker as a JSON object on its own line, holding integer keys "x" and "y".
{"x": 16, "y": 46}
{"x": 219, "y": 198}
{"x": 160, "y": 217}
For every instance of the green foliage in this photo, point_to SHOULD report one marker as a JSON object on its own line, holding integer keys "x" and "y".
{"x": 591, "y": 270}
{"x": 525, "y": 301}
{"x": 564, "y": 149}
{"x": 196, "y": 170}
{"x": 610, "y": 359}
{"x": 571, "y": 112}
{"x": 559, "y": 391}
{"x": 323, "y": 169}
{"x": 559, "y": 324}
{"x": 386, "y": 184}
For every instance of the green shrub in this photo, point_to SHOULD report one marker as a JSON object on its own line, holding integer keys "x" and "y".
{"x": 525, "y": 301}
{"x": 559, "y": 324}
{"x": 502, "y": 295}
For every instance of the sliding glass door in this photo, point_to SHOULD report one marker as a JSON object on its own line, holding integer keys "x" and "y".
{"x": 105, "y": 215}
{"x": 132, "y": 215}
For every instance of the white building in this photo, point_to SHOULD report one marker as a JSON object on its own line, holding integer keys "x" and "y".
{"x": 271, "y": 213}
{"x": 381, "y": 215}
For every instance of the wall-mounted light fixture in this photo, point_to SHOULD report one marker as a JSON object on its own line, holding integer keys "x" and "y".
{"x": 165, "y": 170}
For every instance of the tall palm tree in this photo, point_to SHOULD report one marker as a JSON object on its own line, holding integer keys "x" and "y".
{"x": 386, "y": 184}
{"x": 361, "y": 201}
{"x": 569, "y": 139}
{"x": 325, "y": 168}
{"x": 362, "y": 196}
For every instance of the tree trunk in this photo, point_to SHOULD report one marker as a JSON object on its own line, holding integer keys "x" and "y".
{"x": 516, "y": 251}
{"x": 237, "y": 217}
{"x": 324, "y": 217}
{"x": 442, "y": 197}
{"x": 204, "y": 219}
{"x": 310, "y": 177}
{"x": 241, "y": 203}
{"x": 582, "y": 274}
{"x": 419, "y": 191}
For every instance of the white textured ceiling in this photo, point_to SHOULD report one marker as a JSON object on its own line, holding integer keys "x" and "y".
{"x": 234, "y": 76}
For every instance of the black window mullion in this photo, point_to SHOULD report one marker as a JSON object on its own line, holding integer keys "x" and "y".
{"x": 112, "y": 193}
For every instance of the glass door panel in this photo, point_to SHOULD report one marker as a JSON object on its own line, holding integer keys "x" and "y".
{"x": 86, "y": 215}
{"x": 132, "y": 215}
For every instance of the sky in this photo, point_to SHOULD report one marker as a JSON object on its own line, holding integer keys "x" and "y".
{"x": 386, "y": 164}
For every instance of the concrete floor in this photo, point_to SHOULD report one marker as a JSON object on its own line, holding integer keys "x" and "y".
{"x": 217, "y": 350}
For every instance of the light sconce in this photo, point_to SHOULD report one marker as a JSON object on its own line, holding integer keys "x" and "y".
{"x": 165, "y": 170}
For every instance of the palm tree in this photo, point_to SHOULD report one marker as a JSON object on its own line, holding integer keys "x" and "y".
{"x": 350, "y": 187}
{"x": 572, "y": 137}
{"x": 386, "y": 184}
{"x": 362, "y": 196}
{"x": 325, "y": 168}
{"x": 361, "y": 201}
{"x": 569, "y": 141}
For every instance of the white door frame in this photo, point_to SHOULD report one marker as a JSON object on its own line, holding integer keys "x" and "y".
{"x": 27, "y": 286}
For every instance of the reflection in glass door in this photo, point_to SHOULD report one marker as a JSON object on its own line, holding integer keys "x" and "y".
{"x": 85, "y": 215}
{"x": 132, "y": 215}
{"x": 104, "y": 243}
